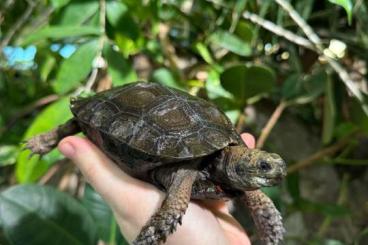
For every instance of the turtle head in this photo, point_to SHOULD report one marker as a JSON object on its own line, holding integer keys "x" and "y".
{"x": 252, "y": 168}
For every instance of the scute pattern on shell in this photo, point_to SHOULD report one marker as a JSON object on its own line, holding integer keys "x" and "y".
{"x": 157, "y": 121}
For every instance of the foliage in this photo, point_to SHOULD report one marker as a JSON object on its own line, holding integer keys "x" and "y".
{"x": 52, "y": 50}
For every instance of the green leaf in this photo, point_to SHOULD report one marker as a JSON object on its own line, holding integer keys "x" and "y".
{"x": 104, "y": 219}
{"x": 59, "y": 3}
{"x": 246, "y": 82}
{"x": 115, "y": 10}
{"x": 34, "y": 215}
{"x": 309, "y": 89}
{"x": 347, "y": 5}
{"x": 231, "y": 42}
{"x": 119, "y": 68}
{"x": 244, "y": 31}
{"x": 165, "y": 77}
{"x": 46, "y": 67}
{"x": 203, "y": 52}
{"x": 30, "y": 169}
{"x": 77, "y": 13}
{"x": 60, "y": 32}
{"x": 76, "y": 68}
{"x": 8, "y": 155}
{"x": 329, "y": 113}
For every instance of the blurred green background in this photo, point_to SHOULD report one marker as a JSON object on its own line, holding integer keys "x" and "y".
{"x": 290, "y": 96}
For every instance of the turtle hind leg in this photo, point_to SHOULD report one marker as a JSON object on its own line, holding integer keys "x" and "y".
{"x": 266, "y": 217}
{"x": 166, "y": 219}
{"x": 44, "y": 143}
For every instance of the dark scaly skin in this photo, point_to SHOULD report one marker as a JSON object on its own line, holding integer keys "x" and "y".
{"x": 147, "y": 129}
{"x": 267, "y": 218}
{"x": 44, "y": 143}
{"x": 165, "y": 221}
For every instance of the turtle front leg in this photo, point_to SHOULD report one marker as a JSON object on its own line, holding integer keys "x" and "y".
{"x": 44, "y": 143}
{"x": 266, "y": 217}
{"x": 166, "y": 219}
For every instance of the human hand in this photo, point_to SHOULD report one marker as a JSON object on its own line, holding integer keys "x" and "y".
{"x": 133, "y": 201}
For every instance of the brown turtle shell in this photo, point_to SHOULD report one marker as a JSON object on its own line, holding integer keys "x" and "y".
{"x": 153, "y": 122}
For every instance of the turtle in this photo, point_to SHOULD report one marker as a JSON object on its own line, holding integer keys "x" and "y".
{"x": 182, "y": 144}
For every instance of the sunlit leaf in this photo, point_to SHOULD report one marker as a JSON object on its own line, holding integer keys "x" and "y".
{"x": 77, "y": 12}
{"x": 30, "y": 169}
{"x": 76, "y": 68}
{"x": 165, "y": 77}
{"x": 119, "y": 68}
{"x": 115, "y": 10}
{"x": 347, "y": 5}
{"x": 59, "y": 3}
{"x": 34, "y": 215}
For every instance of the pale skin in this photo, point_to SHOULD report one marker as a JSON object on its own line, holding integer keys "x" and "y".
{"x": 134, "y": 202}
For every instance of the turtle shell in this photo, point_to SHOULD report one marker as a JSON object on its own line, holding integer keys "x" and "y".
{"x": 152, "y": 120}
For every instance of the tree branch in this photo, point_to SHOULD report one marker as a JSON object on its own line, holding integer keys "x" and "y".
{"x": 271, "y": 123}
{"x": 320, "y": 154}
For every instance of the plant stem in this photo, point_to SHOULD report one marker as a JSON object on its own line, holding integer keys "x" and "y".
{"x": 271, "y": 123}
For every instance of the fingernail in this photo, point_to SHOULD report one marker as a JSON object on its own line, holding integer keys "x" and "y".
{"x": 67, "y": 149}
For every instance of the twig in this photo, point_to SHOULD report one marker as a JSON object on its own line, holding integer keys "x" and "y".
{"x": 272, "y": 27}
{"x": 319, "y": 155}
{"x": 307, "y": 29}
{"x": 314, "y": 38}
{"x": 271, "y": 123}
{"x": 20, "y": 22}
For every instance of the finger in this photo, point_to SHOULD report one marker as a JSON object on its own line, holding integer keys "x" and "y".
{"x": 249, "y": 140}
{"x": 104, "y": 175}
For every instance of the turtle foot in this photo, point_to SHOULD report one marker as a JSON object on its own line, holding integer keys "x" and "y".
{"x": 159, "y": 228}
{"x": 44, "y": 143}
{"x": 266, "y": 217}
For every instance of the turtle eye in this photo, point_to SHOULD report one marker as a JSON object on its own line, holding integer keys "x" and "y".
{"x": 240, "y": 169}
{"x": 264, "y": 166}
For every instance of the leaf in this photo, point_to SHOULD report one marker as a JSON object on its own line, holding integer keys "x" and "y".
{"x": 104, "y": 219}
{"x": 29, "y": 170}
{"x": 115, "y": 10}
{"x": 8, "y": 155}
{"x": 230, "y": 42}
{"x": 329, "y": 113}
{"x": 310, "y": 88}
{"x": 60, "y": 32}
{"x": 77, "y": 13}
{"x": 246, "y": 82}
{"x": 204, "y": 52}
{"x": 165, "y": 77}
{"x": 76, "y": 68}
{"x": 347, "y": 5}
{"x": 119, "y": 68}
{"x": 292, "y": 86}
{"x": 244, "y": 31}
{"x": 34, "y": 215}
{"x": 59, "y": 3}
{"x": 46, "y": 67}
